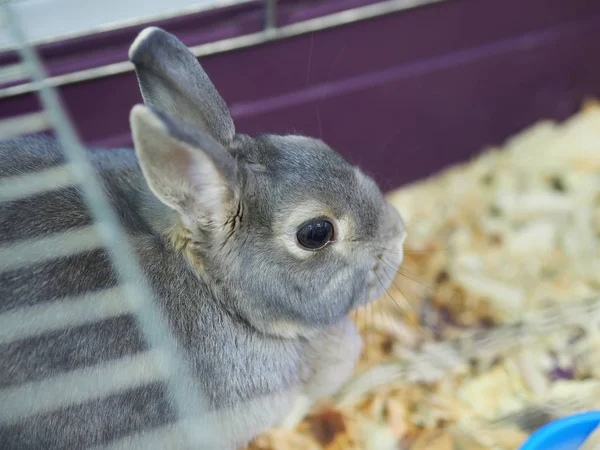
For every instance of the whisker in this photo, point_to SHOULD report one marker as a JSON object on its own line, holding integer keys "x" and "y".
{"x": 418, "y": 325}
{"x": 400, "y": 272}
{"x": 390, "y": 296}
{"x": 398, "y": 287}
{"x": 430, "y": 326}
{"x": 385, "y": 318}
{"x": 366, "y": 332}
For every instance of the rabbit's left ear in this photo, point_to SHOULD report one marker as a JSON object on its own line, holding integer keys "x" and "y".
{"x": 172, "y": 80}
{"x": 185, "y": 168}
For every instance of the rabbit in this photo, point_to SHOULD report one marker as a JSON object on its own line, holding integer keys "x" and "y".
{"x": 256, "y": 250}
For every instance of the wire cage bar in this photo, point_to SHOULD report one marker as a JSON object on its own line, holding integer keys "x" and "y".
{"x": 271, "y": 31}
{"x": 163, "y": 354}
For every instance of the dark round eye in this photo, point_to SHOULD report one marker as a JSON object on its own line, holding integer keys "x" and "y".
{"x": 315, "y": 234}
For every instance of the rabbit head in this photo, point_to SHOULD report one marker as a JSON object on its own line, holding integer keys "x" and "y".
{"x": 288, "y": 235}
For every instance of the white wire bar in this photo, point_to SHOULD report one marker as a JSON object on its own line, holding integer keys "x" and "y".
{"x": 163, "y": 349}
{"x": 267, "y": 34}
{"x": 30, "y": 184}
{"x": 24, "y": 124}
{"x": 12, "y": 72}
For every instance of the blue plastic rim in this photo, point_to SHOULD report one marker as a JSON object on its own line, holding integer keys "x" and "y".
{"x": 568, "y": 433}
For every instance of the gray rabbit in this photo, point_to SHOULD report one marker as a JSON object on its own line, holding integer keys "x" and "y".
{"x": 256, "y": 250}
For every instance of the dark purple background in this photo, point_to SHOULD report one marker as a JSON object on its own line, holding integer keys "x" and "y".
{"x": 402, "y": 95}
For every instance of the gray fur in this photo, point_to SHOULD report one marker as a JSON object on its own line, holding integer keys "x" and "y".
{"x": 163, "y": 65}
{"x": 258, "y": 323}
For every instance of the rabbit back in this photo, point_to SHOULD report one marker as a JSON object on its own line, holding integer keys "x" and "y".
{"x": 53, "y": 363}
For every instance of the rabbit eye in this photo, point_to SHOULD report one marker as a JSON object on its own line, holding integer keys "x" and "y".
{"x": 315, "y": 234}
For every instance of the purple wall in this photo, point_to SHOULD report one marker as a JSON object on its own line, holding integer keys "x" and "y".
{"x": 402, "y": 95}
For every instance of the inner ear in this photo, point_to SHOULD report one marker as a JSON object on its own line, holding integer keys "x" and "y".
{"x": 185, "y": 168}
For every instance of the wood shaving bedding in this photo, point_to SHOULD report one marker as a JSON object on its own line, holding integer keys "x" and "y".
{"x": 492, "y": 326}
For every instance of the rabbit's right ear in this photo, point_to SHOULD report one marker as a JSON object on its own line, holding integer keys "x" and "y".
{"x": 172, "y": 80}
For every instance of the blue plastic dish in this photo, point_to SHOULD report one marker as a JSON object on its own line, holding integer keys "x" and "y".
{"x": 564, "y": 434}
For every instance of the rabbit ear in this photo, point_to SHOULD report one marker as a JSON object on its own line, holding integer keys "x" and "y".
{"x": 186, "y": 169}
{"x": 172, "y": 80}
